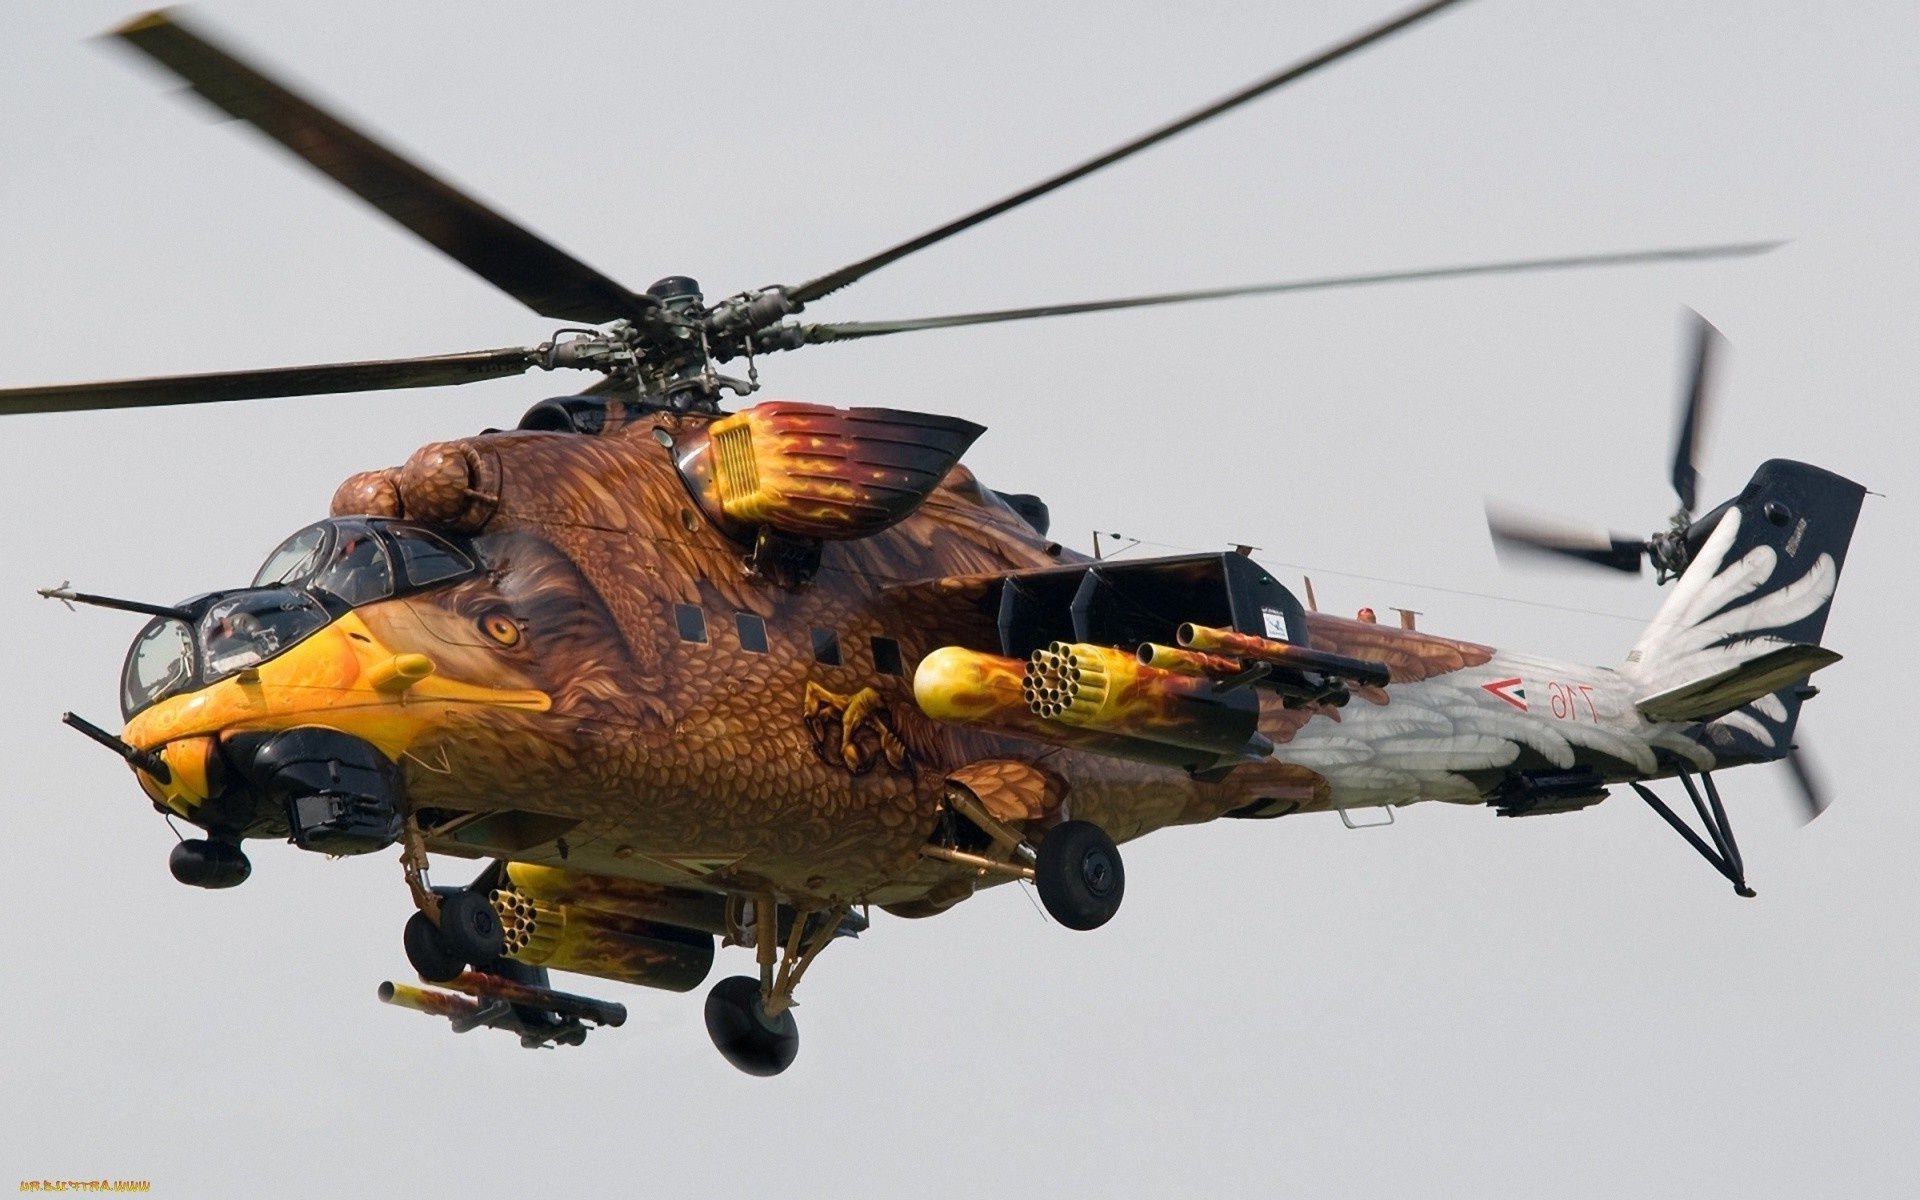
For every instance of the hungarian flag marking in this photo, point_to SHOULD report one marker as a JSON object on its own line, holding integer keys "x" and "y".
{"x": 1508, "y": 690}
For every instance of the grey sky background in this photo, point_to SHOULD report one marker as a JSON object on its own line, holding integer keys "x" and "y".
{"x": 1572, "y": 1006}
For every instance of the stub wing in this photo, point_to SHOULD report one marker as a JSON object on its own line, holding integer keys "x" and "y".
{"x": 1160, "y": 661}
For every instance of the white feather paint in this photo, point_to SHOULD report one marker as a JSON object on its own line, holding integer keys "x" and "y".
{"x": 1432, "y": 733}
{"x": 1748, "y": 724}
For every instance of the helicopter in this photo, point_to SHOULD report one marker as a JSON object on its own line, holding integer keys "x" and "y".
{"x": 679, "y": 677}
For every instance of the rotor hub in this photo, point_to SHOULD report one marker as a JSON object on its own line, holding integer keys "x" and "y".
{"x": 679, "y": 293}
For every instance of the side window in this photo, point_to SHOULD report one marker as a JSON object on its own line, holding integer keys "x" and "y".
{"x": 691, "y": 622}
{"x": 427, "y": 557}
{"x": 886, "y": 656}
{"x": 752, "y": 631}
{"x": 358, "y": 571}
{"x": 826, "y": 647}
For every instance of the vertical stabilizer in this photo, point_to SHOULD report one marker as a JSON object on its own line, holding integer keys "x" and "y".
{"x": 1739, "y": 635}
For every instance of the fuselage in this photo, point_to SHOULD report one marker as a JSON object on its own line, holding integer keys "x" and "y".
{"x": 616, "y": 693}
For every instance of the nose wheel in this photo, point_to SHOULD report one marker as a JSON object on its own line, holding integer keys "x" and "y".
{"x": 452, "y": 929}
{"x": 431, "y": 954}
{"x": 468, "y": 933}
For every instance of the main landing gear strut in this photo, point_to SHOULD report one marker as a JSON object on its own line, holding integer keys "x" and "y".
{"x": 751, "y": 1020}
{"x": 1724, "y": 853}
{"x": 1076, "y": 868}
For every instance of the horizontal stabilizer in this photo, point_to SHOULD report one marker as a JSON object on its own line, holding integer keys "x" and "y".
{"x": 1719, "y": 694}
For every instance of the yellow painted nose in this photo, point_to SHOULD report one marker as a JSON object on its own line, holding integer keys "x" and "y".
{"x": 342, "y": 677}
{"x": 189, "y": 763}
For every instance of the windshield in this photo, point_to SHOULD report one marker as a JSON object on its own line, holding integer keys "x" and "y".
{"x": 160, "y": 664}
{"x": 250, "y": 627}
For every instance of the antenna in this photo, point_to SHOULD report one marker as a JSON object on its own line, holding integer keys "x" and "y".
{"x": 1117, "y": 537}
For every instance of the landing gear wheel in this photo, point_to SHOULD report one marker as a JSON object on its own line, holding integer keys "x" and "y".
{"x": 744, "y": 1034}
{"x": 470, "y": 927}
{"x": 1079, "y": 876}
{"x": 428, "y": 951}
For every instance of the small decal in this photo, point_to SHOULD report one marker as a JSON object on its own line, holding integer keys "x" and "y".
{"x": 1566, "y": 699}
{"x": 1276, "y": 623}
{"x": 1509, "y": 690}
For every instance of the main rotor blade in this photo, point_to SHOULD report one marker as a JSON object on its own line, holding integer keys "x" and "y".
{"x": 1812, "y": 794}
{"x": 849, "y": 330}
{"x": 512, "y": 258}
{"x": 1517, "y": 532}
{"x": 325, "y": 378}
{"x": 1686, "y": 451}
{"x": 836, "y": 280}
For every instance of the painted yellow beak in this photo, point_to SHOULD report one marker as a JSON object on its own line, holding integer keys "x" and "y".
{"x": 342, "y": 677}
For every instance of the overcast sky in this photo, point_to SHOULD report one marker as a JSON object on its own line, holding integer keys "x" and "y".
{"x": 1572, "y": 1006}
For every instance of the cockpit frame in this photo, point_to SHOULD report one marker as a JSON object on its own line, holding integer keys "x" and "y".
{"x": 318, "y": 574}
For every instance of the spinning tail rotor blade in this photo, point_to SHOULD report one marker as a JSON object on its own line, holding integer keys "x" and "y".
{"x": 1686, "y": 470}
{"x": 850, "y": 330}
{"x": 325, "y": 378}
{"x": 512, "y": 258}
{"x": 1812, "y": 794}
{"x": 1515, "y": 533}
{"x": 834, "y": 281}
{"x": 1669, "y": 550}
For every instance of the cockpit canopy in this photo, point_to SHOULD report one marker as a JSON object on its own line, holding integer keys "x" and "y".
{"x": 355, "y": 560}
{"x": 318, "y": 574}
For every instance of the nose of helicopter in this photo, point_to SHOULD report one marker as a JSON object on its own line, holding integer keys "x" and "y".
{"x": 381, "y": 689}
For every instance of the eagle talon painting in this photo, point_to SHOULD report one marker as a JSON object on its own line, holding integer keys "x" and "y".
{"x": 675, "y": 668}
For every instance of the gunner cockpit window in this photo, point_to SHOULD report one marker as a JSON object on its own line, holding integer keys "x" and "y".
{"x": 160, "y": 664}
{"x": 251, "y": 627}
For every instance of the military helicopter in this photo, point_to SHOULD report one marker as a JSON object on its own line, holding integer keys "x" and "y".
{"x": 678, "y": 676}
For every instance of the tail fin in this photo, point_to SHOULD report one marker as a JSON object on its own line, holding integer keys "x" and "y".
{"x": 1742, "y": 629}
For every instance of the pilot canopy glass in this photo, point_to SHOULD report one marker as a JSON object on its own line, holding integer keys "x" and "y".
{"x": 294, "y": 558}
{"x": 355, "y": 561}
{"x": 342, "y": 558}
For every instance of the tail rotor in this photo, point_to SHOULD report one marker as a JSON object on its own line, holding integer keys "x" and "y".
{"x": 1666, "y": 549}
{"x": 1807, "y": 785}
{"x": 1832, "y": 502}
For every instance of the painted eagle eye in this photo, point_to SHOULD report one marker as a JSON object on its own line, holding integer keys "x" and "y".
{"x": 500, "y": 628}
